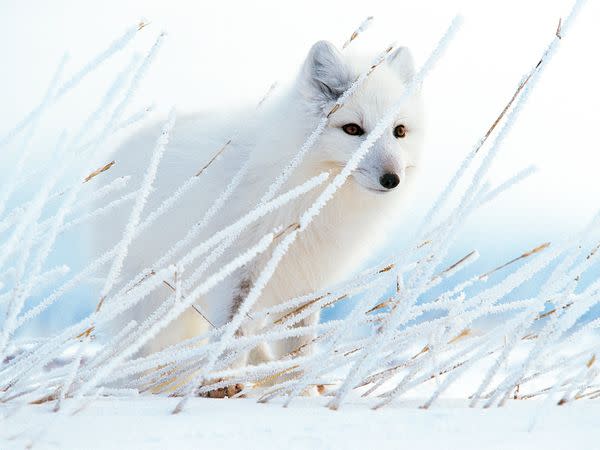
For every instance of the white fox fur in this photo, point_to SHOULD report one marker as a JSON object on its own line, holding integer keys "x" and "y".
{"x": 348, "y": 229}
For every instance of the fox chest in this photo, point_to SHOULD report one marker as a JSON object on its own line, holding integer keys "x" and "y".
{"x": 324, "y": 254}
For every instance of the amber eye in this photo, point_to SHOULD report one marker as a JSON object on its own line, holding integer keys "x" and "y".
{"x": 400, "y": 131}
{"x": 352, "y": 129}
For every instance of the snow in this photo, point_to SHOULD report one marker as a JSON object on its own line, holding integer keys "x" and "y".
{"x": 143, "y": 423}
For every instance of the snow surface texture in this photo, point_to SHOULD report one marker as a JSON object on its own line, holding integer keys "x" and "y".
{"x": 413, "y": 344}
{"x": 241, "y": 423}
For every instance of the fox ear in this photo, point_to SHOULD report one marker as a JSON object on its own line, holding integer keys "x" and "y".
{"x": 401, "y": 61}
{"x": 325, "y": 73}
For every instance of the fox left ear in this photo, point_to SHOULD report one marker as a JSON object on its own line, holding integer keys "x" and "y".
{"x": 401, "y": 61}
{"x": 325, "y": 72}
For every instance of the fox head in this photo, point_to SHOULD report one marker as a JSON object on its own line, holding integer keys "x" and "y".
{"x": 325, "y": 75}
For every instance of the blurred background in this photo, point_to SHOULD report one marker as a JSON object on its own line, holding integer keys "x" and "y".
{"x": 229, "y": 52}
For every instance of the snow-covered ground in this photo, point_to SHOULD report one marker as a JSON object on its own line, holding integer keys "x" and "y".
{"x": 243, "y": 424}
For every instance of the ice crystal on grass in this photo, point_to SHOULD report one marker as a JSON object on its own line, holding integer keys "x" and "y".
{"x": 400, "y": 334}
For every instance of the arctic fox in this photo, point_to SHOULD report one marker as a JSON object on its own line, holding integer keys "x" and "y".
{"x": 356, "y": 220}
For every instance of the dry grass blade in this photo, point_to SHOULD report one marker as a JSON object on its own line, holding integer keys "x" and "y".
{"x": 141, "y": 280}
{"x": 86, "y": 333}
{"x": 230, "y": 140}
{"x": 531, "y": 252}
{"x": 593, "y": 252}
{"x": 307, "y": 304}
{"x": 267, "y": 94}
{"x": 194, "y": 306}
{"x": 214, "y": 157}
{"x": 454, "y": 265}
{"x": 505, "y": 110}
{"x": 386, "y": 268}
{"x": 361, "y": 28}
{"x": 290, "y": 227}
{"x": 448, "y": 269}
{"x": 98, "y": 171}
{"x": 464, "y": 333}
{"x": 553, "y": 311}
{"x": 269, "y": 379}
{"x": 381, "y": 305}
{"x": 591, "y": 361}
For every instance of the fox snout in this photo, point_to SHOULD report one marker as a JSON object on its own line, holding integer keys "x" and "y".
{"x": 386, "y": 168}
{"x": 379, "y": 179}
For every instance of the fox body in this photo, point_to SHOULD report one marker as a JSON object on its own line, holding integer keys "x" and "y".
{"x": 356, "y": 220}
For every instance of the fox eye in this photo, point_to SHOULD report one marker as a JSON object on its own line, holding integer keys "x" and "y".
{"x": 353, "y": 130}
{"x": 400, "y": 131}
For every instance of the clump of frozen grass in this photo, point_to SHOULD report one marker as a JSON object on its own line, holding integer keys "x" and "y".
{"x": 400, "y": 348}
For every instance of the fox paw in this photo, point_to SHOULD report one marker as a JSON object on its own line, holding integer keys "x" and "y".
{"x": 227, "y": 391}
{"x": 314, "y": 391}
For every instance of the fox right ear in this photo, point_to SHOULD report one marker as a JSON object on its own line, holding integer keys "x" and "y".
{"x": 401, "y": 61}
{"x": 325, "y": 73}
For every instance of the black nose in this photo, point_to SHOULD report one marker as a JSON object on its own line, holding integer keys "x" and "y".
{"x": 389, "y": 180}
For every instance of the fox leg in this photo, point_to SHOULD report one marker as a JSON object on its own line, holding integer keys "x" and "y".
{"x": 300, "y": 345}
{"x": 296, "y": 346}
